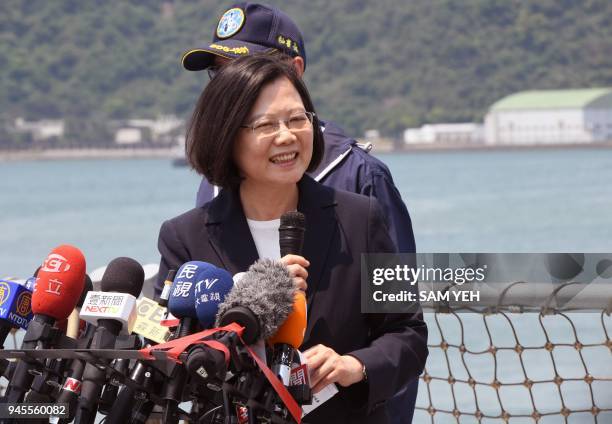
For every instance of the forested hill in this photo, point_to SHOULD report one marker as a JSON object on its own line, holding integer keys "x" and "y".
{"x": 383, "y": 64}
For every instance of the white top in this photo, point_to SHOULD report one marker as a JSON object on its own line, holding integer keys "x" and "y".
{"x": 265, "y": 236}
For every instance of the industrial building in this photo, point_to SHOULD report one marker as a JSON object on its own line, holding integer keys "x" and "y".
{"x": 551, "y": 117}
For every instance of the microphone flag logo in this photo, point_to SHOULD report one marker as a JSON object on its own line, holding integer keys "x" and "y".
{"x": 207, "y": 283}
{"x": 55, "y": 263}
{"x": 5, "y": 292}
{"x": 24, "y": 304}
{"x": 188, "y": 272}
{"x": 148, "y": 321}
{"x": 54, "y": 286}
{"x": 73, "y": 385}
{"x": 182, "y": 289}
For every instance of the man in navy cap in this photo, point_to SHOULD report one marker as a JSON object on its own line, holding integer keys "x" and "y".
{"x": 247, "y": 28}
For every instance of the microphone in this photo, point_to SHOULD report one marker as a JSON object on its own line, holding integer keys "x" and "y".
{"x": 15, "y": 308}
{"x": 51, "y": 378}
{"x": 114, "y": 311}
{"x": 261, "y": 302}
{"x": 291, "y": 334}
{"x": 291, "y": 233}
{"x": 168, "y": 320}
{"x": 74, "y": 327}
{"x": 127, "y": 402}
{"x": 165, "y": 294}
{"x": 30, "y": 283}
{"x": 58, "y": 287}
{"x": 45, "y": 375}
{"x": 114, "y": 307}
{"x": 195, "y": 295}
{"x": 148, "y": 321}
{"x": 288, "y": 338}
{"x": 211, "y": 289}
{"x": 71, "y": 387}
{"x": 182, "y": 299}
{"x": 59, "y": 284}
{"x": 87, "y": 287}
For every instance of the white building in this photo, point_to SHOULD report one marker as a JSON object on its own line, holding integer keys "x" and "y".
{"x": 41, "y": 130}
{"x": 165, "y": 129}
{"x": 159, "y": 127}
{"x": 460, "y": 133}
{"x": 551, "y": 117}
{"x": 127, "y": 136}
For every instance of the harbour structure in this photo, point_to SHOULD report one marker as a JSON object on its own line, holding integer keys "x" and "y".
{"x": 569, "y": 116}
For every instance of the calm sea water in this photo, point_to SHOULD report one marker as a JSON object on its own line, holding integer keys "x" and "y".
{"x": 494, "y": 201}
{"x": 486, "y": 201}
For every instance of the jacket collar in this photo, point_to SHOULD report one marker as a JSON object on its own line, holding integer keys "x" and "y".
{"x": 231, "y": 238}
{"x": 336, "y": 144}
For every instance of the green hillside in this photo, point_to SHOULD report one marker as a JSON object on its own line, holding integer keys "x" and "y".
{"x": 383, "y": 64}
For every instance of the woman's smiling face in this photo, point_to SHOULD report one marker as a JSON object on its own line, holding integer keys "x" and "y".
{"x": 279, "y": 158}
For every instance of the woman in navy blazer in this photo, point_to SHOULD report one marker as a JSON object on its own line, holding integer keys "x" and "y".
{"x": 252, "y": 133}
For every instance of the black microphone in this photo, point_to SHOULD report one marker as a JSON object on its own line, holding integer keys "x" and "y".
{"x": 291, "y": 233}
{"x": 71, "y": 387}
{"x": 291, "y": 238}
{"x": 88, "y": 286}
{"x": 111, "y": 389}
{"x": 114, "y": 311}
{"x": 128, "y": 402}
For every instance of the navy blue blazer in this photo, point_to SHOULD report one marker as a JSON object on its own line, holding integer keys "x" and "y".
{"x": 340, "y": 226}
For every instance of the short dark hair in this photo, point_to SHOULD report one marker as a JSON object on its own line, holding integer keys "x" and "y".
{"x": 223, "y": 107}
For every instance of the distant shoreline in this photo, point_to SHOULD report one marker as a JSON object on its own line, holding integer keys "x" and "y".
{"x": 488, "y": 147}
{"x": 77, "y": 154}
{"x": 173, "y": 153}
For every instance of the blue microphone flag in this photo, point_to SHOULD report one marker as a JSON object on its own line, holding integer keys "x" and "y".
{"x": 182, "y": 299}
{"x": 15, "y": 304}
{"x": 211, "y": 288}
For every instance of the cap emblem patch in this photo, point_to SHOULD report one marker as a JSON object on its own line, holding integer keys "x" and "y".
{"x": 230, "y": 23}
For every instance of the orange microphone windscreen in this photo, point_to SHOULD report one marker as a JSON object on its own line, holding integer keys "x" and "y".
{"x": 293, "y": 329}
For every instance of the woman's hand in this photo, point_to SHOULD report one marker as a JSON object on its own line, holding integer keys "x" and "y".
{"x": 297, "y": 269}
{"x": 327, "y": 367}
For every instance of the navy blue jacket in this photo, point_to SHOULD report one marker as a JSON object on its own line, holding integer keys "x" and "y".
{"x": 340, "y": 226}
{"x": 346, "y": 166}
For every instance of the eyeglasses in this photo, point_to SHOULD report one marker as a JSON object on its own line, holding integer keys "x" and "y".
{"x": 268, "y": 127}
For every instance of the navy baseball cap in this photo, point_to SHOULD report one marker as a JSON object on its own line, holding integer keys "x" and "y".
{"x": 247, "y": 28}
